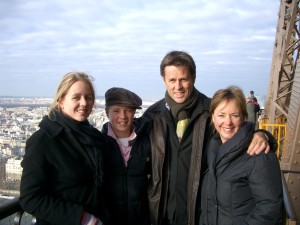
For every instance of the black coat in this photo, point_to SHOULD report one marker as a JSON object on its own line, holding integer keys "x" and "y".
{"x": 126, "y": 187}
{"x": 190, "y": 161}
{"x": 240, "y": 189}
{"x": 62, "y": 174}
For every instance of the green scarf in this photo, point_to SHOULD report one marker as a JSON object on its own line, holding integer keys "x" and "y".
{"x": 181, "y": 111}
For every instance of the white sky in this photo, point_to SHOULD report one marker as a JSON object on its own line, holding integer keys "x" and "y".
{"x": 121, "y": 43}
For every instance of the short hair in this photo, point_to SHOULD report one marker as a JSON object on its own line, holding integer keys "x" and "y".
{"x": 228, "y": 94}
{"x": 67, "y": 81}
{"x": 178, "y": 58}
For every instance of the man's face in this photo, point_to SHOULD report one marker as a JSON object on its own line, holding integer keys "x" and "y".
{"x": 179, "y": 83}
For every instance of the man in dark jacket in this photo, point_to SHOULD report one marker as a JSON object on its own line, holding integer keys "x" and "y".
{"x": 127, "y": 162}
{"x": 180, "y": 132}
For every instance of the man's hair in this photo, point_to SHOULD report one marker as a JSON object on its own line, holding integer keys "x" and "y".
{"x": 178, "y": 58}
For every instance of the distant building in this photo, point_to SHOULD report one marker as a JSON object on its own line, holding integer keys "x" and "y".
{"x": 13, "y": 168}
{"x": 3, "y": 161}
{"x": 5, "y": 149}
{"x": 18, "y": 150}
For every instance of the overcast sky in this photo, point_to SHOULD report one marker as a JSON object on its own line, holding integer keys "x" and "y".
{"x": 121, "y": 43}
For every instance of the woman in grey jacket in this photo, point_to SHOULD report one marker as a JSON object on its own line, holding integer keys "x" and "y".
{"x": 238, "y": 188}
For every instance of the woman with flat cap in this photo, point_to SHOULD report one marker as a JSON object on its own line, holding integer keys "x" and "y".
{"x": 127, "y": 162}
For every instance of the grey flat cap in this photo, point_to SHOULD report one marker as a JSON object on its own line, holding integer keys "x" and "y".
{"x": 122, "y": 97}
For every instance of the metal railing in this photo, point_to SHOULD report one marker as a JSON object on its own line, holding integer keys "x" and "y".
{"x": 11, "y": 213}
{"x": 277, "y": 129}
{"x": 289, "y": 208}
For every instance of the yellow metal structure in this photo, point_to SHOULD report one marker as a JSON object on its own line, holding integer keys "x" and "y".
{"x": 279, "y": 132}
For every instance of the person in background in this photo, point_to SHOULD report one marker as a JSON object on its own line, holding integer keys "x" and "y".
{"x": 252, "y": 96}
{"x": 62, "y": 175}
{"x": 180, "y": 131}
{"x": 256, "y": 107}
{"x": 251, "y": 111}
{"x": 238, "y": 188}
{"x": 127, "y": 163}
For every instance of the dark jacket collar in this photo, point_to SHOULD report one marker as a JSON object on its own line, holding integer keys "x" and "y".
{"x": 235, "y": 146}
{"x": 50, "y": 127}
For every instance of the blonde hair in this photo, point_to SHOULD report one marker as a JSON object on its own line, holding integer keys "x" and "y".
{"x": 67, "y": 81}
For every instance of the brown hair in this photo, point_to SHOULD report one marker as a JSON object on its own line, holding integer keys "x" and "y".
{"x": 178, "y": 58}
{"x": 227, "y": 94}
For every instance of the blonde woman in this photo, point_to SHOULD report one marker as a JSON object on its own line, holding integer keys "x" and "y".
{"x": 62, "y": 167}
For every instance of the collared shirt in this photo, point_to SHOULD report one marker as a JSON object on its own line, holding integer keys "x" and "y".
{"x": 124, "y": 143}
